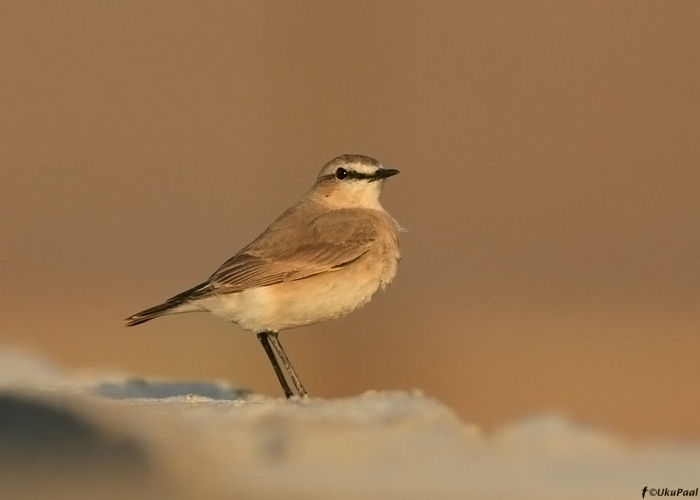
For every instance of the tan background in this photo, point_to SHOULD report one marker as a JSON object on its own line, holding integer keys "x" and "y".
{"x": 550, "y": 160}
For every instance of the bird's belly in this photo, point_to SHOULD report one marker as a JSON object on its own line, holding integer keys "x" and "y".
{"x": 303, "y": 302}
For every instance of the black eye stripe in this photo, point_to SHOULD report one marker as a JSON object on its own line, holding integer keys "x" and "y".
{"x": 359, "y": 175}
{"x": 351, "y": 174}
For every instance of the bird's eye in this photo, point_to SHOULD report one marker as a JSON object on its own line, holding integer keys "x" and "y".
{"x": 341, "y": 173}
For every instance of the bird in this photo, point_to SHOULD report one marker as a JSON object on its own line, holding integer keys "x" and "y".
{"x": 324, "y": 257}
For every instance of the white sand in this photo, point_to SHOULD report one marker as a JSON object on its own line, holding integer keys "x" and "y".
{"x": 383, "y": 445}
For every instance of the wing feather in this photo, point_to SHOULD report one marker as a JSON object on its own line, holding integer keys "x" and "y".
{"x": 293, "y": 248}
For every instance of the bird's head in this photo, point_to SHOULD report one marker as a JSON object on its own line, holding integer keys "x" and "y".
{"x": 352, "y": 181}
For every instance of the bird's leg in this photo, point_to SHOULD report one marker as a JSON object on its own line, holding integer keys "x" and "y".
{"x": 264, "y": 338}
{"x": 287, "y": 364}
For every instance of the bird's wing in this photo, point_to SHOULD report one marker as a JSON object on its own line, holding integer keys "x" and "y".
{"x": 289, "y": 251}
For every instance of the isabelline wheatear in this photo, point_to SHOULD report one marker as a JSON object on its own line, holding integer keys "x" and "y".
{"x": 321, "y": 259}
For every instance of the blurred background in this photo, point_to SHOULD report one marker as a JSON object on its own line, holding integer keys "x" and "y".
{"x": 550, "y": 172}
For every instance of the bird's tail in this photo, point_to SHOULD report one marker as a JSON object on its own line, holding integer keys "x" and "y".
{"x": 177, "y": 304}
{"x": 150, "y": 313}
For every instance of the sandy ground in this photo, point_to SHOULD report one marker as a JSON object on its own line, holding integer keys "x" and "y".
{"x": 97, "y": 435}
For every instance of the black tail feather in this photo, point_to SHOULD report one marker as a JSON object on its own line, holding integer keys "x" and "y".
{"x": 164, "y": 308}
{"x": 150, "y": 313}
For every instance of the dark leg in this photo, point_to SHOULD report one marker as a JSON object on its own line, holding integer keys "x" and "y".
{"x": 287, "y": 364}
{"x": 264, "y": 338}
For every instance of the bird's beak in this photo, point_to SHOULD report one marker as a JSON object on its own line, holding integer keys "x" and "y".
{"x": 383, "y": 173}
